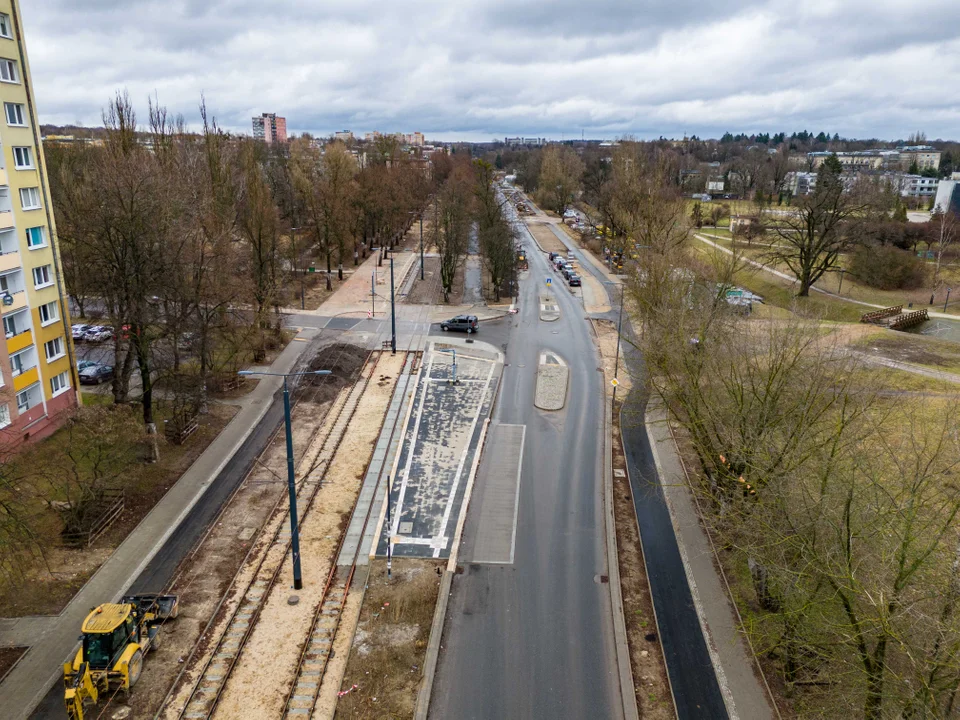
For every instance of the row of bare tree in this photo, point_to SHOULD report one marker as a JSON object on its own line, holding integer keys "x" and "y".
{"x": 188, "y": 242}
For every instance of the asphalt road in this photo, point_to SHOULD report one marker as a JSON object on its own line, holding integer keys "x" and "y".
{"x": 535, "y": 639}
{"x": 159, "y": 572}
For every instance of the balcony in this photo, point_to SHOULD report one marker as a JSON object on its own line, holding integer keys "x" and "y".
{"x": 19, "y": 301}
{"x": 16, "y": 343}
{"x": 6, "y": 219}
{"x": 9, "y": 261}
{"x": 4, "y": 181}
{"x": 25, "y": 379}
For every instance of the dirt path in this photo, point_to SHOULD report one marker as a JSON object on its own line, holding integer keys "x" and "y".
{"x": 261, "y": 678}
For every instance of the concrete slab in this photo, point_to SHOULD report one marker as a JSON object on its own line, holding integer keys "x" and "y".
{"x": 341, "y": 323}
{"x": 499, "y": 472}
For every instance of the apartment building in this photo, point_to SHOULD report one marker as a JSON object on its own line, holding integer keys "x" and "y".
{"x": 270, "y": 128}
{"x": 923, "y": 156}
{"x": 38, "y": 378}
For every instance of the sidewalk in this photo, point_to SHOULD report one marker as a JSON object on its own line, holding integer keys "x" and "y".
{"x": 42, "y": 665}
{"x": 743, "y": 693}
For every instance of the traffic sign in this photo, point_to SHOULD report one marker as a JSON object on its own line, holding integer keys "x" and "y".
{"x": 549, "y": 281}
{"x": 615, "y": 382}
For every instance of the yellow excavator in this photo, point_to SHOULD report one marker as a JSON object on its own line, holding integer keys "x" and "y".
{"x": 115, "y": 638}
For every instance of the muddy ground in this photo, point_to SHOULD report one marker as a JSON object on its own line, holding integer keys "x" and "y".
{"x": 429, "y": 291}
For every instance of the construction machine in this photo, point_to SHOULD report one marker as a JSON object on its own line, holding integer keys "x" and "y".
{"x": 115, "y": 638}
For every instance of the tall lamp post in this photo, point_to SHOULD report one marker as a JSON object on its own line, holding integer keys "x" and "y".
{"x": 616, "y": 357}
{"x": 291, "y": 480}
{"x": 419, "y": 213}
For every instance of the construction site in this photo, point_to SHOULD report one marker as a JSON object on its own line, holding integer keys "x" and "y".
{"x": 244, "y": 641}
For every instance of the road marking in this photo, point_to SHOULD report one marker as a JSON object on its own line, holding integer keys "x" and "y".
{"x": 413, "y": 445}
{"x": 463, "y": 458}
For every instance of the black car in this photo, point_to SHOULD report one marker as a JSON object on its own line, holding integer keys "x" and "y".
{"x": 466, "y": 323}
{"x": 574, "y": 280}
{"x": 96, "y": 374}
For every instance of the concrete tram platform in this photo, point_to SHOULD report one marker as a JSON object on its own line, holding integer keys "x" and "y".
{"x": 440, "y": 444}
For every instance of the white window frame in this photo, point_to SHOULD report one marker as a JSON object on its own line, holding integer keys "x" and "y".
{"x": 20, "y": 110}
{"x": 62, "y": 350}
{"x": 18, "y": 369}
{"x": 47, "y": 271}
{"x": 9, "y": 67}
{"x": 63, "y": 378}
{"x": 5, "y": 28}
{"x": 53, "y": 313}
{"x": 43, "y": 236}
{"x": 4, "y": 415}
{"x": 21, "y": 152}
{"x": 26, "y": 393}
{"x": 36, "y": 191}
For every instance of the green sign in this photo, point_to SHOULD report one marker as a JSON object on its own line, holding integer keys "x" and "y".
{"x": 311, "y": 269}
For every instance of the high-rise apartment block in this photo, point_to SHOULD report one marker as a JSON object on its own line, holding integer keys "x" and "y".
{"x": 38, "y": 379}
{"x": 270, "y": 128}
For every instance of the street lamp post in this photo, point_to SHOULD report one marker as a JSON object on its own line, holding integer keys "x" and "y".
{"x": 453, "y": 379}
{"x": 947, "y": 301}
{"x": 389, "y": 532}
{"x": 291, "y": 479}
{"x": 303, "y": 270}
{"x": 393, "y": 312}
{"x": 421, "y": 245}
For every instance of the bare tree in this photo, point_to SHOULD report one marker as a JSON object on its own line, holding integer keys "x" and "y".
{"x": 560, "y": 176}
{"x": 496, "y": 237}
{"x": 945, "y": 229}
{"x": 450, "y": 229}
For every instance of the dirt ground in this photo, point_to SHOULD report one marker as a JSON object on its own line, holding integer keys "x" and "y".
{"x": 547, "y": 241}
{"x": 386, "y": 661}
{"x": 607, "y": 338}
{"x": 257, "y": 689}
{"x": 429, "y": 291}
{"x": 8, "y": 658}
{"x": 56, "y": 578}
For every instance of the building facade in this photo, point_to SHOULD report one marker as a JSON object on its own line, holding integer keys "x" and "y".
{"x": 270, "y": 128}
{"x": 38, "y": 378}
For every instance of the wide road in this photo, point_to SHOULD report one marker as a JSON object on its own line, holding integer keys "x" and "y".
{"x": 534, "y": 639}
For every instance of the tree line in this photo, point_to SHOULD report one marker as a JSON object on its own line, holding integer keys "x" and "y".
{"x": 189, "y": 242}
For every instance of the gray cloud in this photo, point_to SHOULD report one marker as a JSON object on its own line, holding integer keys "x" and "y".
{"x": 488, "y": 68}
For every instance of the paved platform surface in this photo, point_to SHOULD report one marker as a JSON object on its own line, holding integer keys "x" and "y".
{"x": 498, "y": 507}
{"x": 439, "y": 445}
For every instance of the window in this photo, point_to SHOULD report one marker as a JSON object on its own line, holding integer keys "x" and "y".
{"x": 16, "y": 363}
{"x": 30, "y": 198}
{"x": 22, "y": 158}
{"x": 8, "y": 71}
{"x": 41, "y": 276}
{"x": 4, "y": 415}
{"x": 36, "y": 237}
{"x": 9, "y": 326}
{"x": 48, "y": 313}
{"x": 5, "y": 26}
{"x": 59, "y": 383}
{"x": 23, "y": 401}
{"x": 15, "y": 114}
{"x": 53, "y": 349}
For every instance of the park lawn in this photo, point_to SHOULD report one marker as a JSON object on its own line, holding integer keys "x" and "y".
{"x": 931, "y": 352}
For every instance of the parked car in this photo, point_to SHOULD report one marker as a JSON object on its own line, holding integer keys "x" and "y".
{"x": 570, "y": 255}
{"x": 79, "y": 331}
{"x": 84, "y": 364}
{"x": 574, "y": 280}
{"x": 96, "y": 374}
{"x": 98, "y": 333}
{"x": 466, "y": 323}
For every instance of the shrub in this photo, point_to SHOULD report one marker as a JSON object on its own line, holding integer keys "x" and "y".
{"x": 888, "y": 268}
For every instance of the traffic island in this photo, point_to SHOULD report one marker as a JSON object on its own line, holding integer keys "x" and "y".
{"x": 549, "y": 310}
{"x": 552, "y": 378}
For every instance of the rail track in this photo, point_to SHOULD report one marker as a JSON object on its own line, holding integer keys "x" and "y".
{"x": 208, "y": 688}
{"x": 305, "y": 689}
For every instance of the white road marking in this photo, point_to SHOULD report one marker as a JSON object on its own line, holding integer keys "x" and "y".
{"x": 463, "y": 458}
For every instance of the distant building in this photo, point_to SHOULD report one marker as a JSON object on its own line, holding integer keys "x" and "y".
{"x": 270, "y": 128}
{"x": 923, "y": 156}
{"x": 512, "y": 141}
{"x": 800, "y": 183}
{"x": 343, "y": 135}
{"x": 918, "y": 186}
{"x": 415, "y": 139}
{"x": 715, "y": 186}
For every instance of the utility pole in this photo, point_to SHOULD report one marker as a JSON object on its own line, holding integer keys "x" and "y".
{"x": 389, "y": 532}
{"x": 291, "y": 476}
{"x": 421, "y": 245}
{"x": 373, "y": 294}
{"x": 393, "y": 313}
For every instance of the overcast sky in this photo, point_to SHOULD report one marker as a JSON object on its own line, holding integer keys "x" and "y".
{"x": 480, "y": 69}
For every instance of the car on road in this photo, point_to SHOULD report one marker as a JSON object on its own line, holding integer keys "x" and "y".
{"x": 574, "y": 280}
{"x": 466, "y": 323}
{"x": 571, "y": 256}
{"x": 78, "y": 331}
{"x": 96, "y": 374}
{"x": 98, "y": 333}
{"x": 84, "y": 364}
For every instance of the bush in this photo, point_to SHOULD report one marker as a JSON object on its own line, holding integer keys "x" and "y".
{"x": 888, "y": 268}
